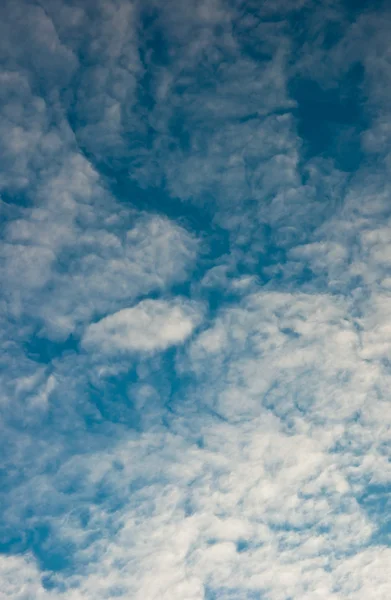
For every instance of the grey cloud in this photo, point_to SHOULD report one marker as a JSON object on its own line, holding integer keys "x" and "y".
{"x": 30, "y": 43}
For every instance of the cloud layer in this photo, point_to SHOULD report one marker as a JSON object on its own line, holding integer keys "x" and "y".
{"x": 194, "y": 307}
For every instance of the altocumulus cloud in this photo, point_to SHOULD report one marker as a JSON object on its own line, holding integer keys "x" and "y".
{"x": 195, "y": 300}
{"x": 150, "y": 325}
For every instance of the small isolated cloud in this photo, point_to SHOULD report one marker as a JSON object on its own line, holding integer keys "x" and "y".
{"x": 150, "y": 326}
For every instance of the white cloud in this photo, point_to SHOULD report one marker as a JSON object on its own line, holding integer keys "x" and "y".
{"x": 112, "y": 263}
{"x": 251, "y": 494}
{"x": 149, "y": 326}
{"x": 253, "y": 510}
{"x": 70, "y": 251}
{"x": 250, "y": 479}
{"x": 15, "y": 586}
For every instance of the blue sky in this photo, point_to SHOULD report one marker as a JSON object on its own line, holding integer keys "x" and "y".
{"x": 195, "y": 300}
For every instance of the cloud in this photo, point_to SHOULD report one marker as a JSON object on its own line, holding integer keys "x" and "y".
{"x": 253, "y": 484}
{"x": 68, "y": 215}
{"x": 161, "y": 190}
{"x": 110, "y": 266}
{"x": 13, "y": 586}
{"x": 117, "y": 253}
{"x": 149, "y": 326}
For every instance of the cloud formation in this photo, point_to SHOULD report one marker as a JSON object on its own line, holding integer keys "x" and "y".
{"x": 194, "y": 307}
{"x": 149, "y": 326}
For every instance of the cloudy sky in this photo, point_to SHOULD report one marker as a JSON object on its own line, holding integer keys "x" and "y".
{"x": 195, "y": 300}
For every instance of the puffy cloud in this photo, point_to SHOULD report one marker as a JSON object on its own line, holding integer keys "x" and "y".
{"x": 114, "y": 253}
{"x": 252, "y": 461}
{"x": 13, "y": 586}
{"x": 257, "y": 484}
{"x": 149, "y": 326}
{"x": 109, "y": 266}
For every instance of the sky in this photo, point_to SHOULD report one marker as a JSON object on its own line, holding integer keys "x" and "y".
{"x": 195, "y": 300}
